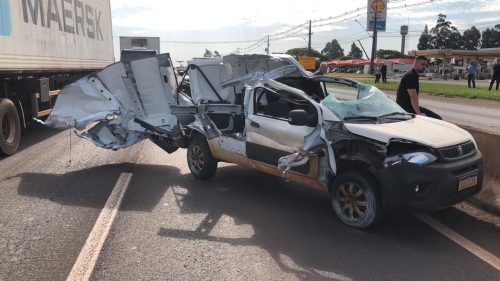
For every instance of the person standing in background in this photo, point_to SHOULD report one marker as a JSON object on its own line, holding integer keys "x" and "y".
{"x": 383, "y": 70}
{"x": 377, "y": 75}
{"x": 471, "y": 71}
{"x": 496, "y": 74}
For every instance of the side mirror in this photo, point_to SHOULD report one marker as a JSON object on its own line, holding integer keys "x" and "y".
{"x": 297, "y": 117}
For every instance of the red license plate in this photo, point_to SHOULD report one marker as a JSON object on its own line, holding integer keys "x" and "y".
{"x": 467, "y": 182}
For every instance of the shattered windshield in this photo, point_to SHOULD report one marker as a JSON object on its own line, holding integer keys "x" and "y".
{"x": 366, "y": 102}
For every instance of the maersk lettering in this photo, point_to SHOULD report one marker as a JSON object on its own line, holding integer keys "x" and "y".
{"x": 79, "y": 19}
{"x": 53, "y": 14}
{"x": 34, "y": 10}
{"x": 70, "y": 16}
{"x": 90, "y": 22}
{"x": 67, "y": 14}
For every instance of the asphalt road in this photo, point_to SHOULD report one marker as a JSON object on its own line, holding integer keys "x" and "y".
{"x": 240, "y": 225}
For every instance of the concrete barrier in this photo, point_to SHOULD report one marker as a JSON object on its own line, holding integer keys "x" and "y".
{"x": 489, "y": 145}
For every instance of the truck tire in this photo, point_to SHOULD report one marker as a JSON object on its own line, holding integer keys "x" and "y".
{"x": 201, "y": 162}
{"x": 356, "y": 199}
{"x": 10, "y": 133}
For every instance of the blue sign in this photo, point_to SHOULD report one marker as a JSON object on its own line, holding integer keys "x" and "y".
{"x": 5, "y": 27}
{"x": 380, "y": 25}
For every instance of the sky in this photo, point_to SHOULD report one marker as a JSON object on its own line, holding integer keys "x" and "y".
{"x": 187, "y": 28}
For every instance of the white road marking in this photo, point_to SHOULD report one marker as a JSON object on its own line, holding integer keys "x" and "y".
{"x": 85, "y": 263}
{"x": 462, "y": 241}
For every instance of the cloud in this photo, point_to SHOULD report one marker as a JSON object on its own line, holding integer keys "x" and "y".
{"x": 238, "y": 20}
{"x": 205, "y": 15}
{"x": 488, "y": 20}
{"x": 126, "y": 10}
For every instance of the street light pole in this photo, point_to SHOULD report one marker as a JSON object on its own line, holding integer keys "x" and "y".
{"x": 367, "y": 57}
{"x": 374, "y": 45}
{"x": 309, "y": 44}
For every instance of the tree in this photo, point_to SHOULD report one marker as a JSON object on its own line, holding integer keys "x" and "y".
{"x": 471, "y": 38}
{"x": 491, "y": 37}
{"x": 333, "y": 50}
{"x": 355, "y": 52}
{"x": 299, "y": 52}
{"x": 444, "y": 35}
{"x": 391, "y": 54}
{"x": 424, "y": 43}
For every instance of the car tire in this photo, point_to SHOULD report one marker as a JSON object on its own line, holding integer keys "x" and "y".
{"x": 201, "y": 162}
{"x": 355, "y": 199}
{"x": 10, "y": 127}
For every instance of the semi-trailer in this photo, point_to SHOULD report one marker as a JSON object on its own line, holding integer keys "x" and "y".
{"x": 45, "y": 45}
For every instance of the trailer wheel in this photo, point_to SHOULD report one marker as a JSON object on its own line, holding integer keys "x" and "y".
{"x": 356, "y": 199}
{"x": 10, "y": 133}
{"x": 201, "y": 162}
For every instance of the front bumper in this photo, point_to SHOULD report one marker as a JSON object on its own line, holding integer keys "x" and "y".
{"x": 437, "y": 184}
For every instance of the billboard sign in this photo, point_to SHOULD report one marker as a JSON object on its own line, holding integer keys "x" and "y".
{"x": 308, "y": 63}
{"x": 376, "y": 14}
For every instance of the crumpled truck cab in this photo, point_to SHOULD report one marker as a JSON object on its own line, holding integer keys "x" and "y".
{"x": 267, "y": 113}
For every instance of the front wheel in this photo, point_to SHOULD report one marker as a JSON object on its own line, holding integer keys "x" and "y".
{"x": 10, "y": 125}
{"x": 201, "y": 162}
{"x": 356, "y": 199}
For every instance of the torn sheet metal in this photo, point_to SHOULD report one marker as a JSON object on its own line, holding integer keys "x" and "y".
{"x": 254, "y": 77}
{"x": 82, "y": 103}
{"x": 115, "y": 97}
{"x": 287, "y": 162}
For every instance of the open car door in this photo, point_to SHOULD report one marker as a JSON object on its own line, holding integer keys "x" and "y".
{"x": 129, "y": 100}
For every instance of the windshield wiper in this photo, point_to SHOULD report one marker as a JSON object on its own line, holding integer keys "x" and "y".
{"x": 372, "y": 118}
{"x": 394, "y": 114}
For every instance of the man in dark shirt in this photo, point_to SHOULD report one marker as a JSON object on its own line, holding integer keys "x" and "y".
{"x": 409, "y": 88}
{"x": 383, "y": 70}
{"x": 496, "y": 74}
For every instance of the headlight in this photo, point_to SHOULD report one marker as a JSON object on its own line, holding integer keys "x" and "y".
{"x": 417, "y": 158}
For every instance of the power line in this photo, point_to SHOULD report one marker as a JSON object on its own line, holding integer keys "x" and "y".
{"x": 352, "y": 14}
{"x": 300, "y": 28}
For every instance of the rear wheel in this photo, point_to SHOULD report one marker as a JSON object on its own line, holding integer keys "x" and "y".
{"x": 201, "y": 162}
{"x": 356, "y": 200}
{"x": 10, "y": 133}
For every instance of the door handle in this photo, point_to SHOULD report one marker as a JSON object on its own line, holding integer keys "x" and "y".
{"x": 254, "y": 124}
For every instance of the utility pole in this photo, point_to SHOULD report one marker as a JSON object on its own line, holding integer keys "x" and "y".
{"x": 267, "y": 49}
{"x": 374, "y": 45}
{"x": 309, "y": 44}
{"x": 367, "y": 57}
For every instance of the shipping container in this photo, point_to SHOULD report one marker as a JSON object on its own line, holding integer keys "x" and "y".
{"x": 45, "y": 45}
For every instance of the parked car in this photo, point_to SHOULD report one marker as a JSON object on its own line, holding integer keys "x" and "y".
{"x": 267, "y": 113}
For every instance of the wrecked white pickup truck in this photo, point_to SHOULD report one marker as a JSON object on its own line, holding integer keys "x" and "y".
{"x": 268, "y": 113}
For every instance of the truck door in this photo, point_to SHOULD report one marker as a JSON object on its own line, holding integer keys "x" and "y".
{"x": 269, "y": 135}
{"x": 129, "y": 100}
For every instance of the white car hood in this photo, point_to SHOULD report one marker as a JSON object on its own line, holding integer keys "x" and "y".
{"x": 428, "y": 131}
